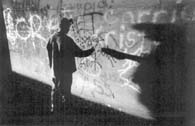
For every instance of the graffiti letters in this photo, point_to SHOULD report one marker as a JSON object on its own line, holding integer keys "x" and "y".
{"x": 102, "y": 88}
{"x": 95, "y": 24}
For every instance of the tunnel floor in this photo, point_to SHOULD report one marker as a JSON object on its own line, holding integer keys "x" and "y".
{"x": 25, "y": 101}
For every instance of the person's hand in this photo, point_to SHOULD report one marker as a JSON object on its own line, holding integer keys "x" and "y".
{"x": 93, "y": 49}
{"x": 98, "y": 48}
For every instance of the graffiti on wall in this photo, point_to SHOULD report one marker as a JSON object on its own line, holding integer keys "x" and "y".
{"x": 96, "y": 24}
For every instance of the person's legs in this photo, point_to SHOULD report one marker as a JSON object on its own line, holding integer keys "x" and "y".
{"x": 57, "y": 94}
{"x": 62, "y": 92}
{"x": 65, "y": 86}
{"x": 59, "y": 80}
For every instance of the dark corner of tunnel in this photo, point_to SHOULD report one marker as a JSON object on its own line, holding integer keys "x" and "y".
{"x": 19, "y": 95}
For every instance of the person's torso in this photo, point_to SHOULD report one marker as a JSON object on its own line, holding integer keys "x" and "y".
{"x": 63, "y": 57}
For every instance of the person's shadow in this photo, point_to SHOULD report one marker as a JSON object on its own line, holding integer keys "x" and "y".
{"x": 160, "y": 74}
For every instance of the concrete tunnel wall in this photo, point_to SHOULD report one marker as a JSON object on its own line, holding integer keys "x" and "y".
{"x": 99, "y": 78}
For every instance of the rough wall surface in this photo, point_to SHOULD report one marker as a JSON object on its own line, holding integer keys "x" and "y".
{"x": 100, "y": 23}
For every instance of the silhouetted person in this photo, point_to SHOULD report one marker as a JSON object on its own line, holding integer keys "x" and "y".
{"x": 160, "y": 73}
{"x": 62, "y": 52}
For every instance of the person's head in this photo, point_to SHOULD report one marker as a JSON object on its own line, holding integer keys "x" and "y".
{"x": 65, "y": 25}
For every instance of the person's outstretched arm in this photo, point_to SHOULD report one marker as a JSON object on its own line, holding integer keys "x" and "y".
{"x": 83, "y": 53}
{"x": 78, "y": 52}
{"x": 121, "y": 56}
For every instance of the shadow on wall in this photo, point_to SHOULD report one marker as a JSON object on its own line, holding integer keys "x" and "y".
{"x": 23, "y": 96}
{"x": 161, "y": 75}
{"x": 27, "y": 101}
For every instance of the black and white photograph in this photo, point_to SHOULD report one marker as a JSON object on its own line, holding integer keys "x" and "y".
{"x": 97, "y": 62}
